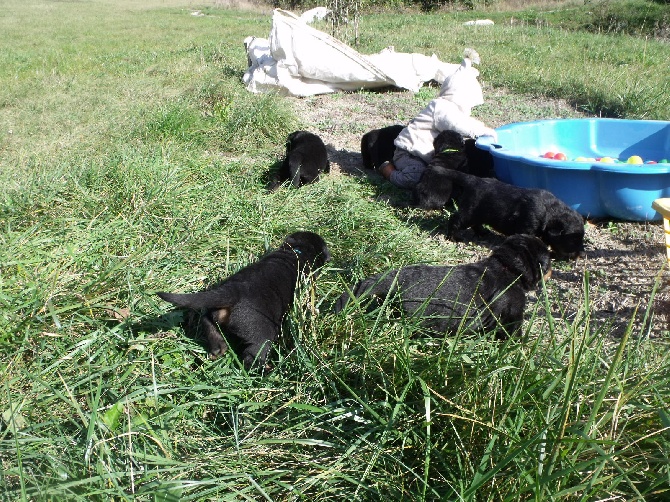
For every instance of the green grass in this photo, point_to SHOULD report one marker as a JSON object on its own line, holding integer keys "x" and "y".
{"x": 133, "y": 161}
{"x": 642, "y": 18}
{"x": 608, "y": 74}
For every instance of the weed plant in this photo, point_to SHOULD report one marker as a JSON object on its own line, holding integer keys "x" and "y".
{"x": 132, "y": 161}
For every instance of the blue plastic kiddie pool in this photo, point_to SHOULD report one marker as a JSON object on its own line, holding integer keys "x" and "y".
{"x": 596, "y": 179}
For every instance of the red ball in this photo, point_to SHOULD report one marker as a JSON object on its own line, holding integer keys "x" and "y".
{"x": 549, "y": 155}
{"x": 560, "y": 156}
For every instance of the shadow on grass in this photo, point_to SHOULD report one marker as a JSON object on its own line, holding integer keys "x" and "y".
{"x": 188, "y": 320}
{"x": 270, "y": 178}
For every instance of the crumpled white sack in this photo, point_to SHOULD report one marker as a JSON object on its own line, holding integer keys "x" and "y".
{"x": 411, "y": 70}
{"x": 299, "y": 60}
{"x": 317, "y": 13}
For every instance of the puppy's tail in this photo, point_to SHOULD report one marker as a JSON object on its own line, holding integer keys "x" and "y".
{"x": 295, "y": 168}
{"x": 213, "y": 299}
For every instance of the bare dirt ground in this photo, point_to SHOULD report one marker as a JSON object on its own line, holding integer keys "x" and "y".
{"x": 624, "y": 260}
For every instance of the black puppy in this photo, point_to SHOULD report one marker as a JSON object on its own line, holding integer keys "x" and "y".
{"x": 377, "y": 145}
{"x": 452, "y": 151}
{"x": 514, "y": 210}
{"x": 479, "y": 296}
{"x": 306, "y": 157}
{"x": 434, "y": 190}
{"x": 480, "y": 162}
{"x": 250, "y": 305}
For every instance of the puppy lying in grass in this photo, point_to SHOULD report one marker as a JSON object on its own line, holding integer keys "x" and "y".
{"x": 487, "y": 295}
{"x": 250, "y": 305}
{"x": 306, "y": 157}
{"x": 377, "y": 145}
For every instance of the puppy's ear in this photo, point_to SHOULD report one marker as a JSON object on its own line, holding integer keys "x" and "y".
{"x": 534, "y": 257}
{"x": 539, "y": 260}
{"x": 554, "y": 228}
{"x": 309, "y": 244}
{"x": 566, "y": 241}
{"x": 542, "y": 258}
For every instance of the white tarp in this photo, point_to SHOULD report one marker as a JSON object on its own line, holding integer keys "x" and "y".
{"x": 298, "y": 60}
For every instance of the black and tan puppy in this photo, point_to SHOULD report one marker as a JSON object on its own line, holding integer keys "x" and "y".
{"x": 377, "y": 145}
{"x": 486, "y": 295}
{"x": 514, "y": 210}
{"x": 306, "y": 158}
{"x": 250, "y": 305}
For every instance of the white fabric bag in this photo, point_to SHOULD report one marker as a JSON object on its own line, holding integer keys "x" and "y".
{"x": 299, "y": 60}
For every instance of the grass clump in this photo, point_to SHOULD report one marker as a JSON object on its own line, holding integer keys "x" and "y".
{"x": 356, "y": 405}
{"x": 226, "y": 120}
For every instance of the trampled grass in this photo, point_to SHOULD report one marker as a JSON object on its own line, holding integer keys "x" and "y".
{"x": 132, "y": 161}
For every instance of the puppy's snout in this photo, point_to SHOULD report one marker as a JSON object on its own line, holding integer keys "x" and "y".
{"x": 547, "y": 275}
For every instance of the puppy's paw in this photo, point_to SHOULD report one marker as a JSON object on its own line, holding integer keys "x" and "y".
{"x": 273, "y": 185}
{"x": 456, "y": 236}
{"x": 455, "y": 233}
{"x": 481, "y": 231}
